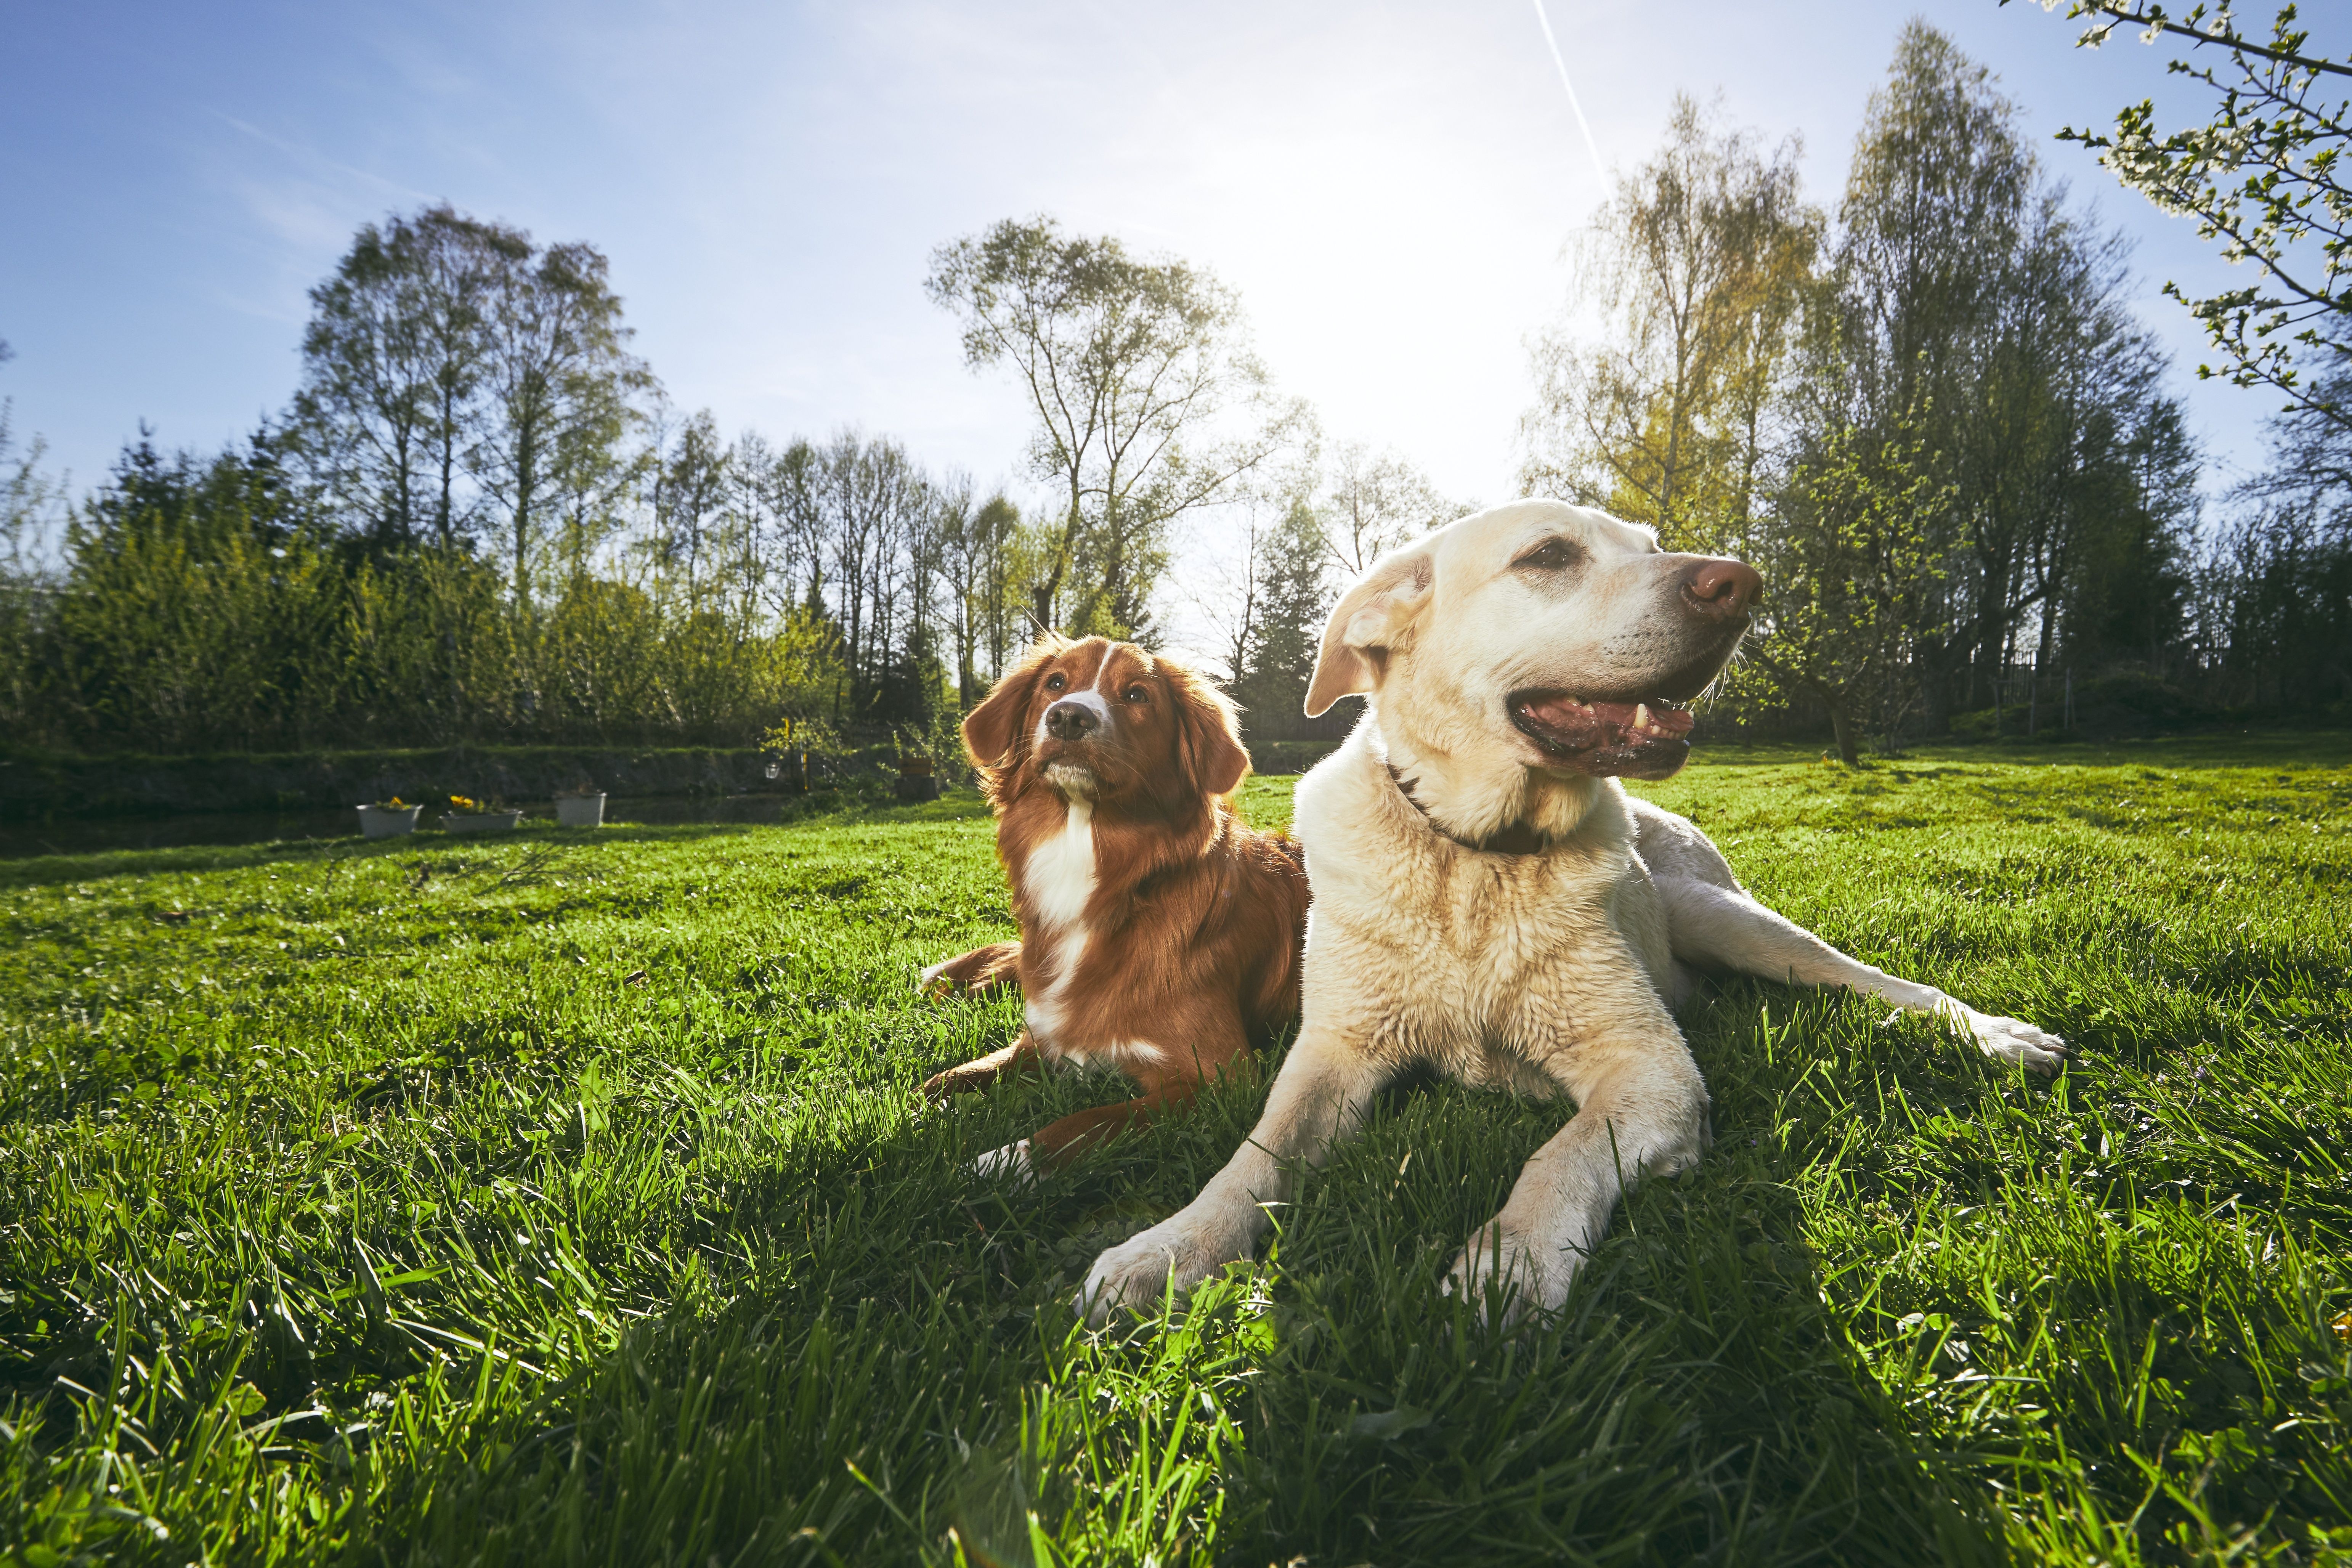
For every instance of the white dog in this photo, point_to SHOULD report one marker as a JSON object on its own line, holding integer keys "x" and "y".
{"x": 1488, "y": 900}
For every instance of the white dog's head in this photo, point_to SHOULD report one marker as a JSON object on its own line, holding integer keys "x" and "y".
{"x": 1551, "y": 636}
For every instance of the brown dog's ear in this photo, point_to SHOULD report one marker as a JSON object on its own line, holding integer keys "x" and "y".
{"x": 1366, "y": 622}
{"x": 991, "y": 730}
{"x": 1209, "y": 737}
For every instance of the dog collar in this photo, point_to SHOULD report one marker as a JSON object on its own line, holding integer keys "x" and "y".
{"x": 1518, "y": 838}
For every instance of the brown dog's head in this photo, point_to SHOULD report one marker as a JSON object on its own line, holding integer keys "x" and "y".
{"x": 1106, "y": 722}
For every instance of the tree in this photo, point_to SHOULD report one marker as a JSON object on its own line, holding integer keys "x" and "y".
{"x": 392, "y": 366}
{"x": 693, "y": 476}
{"x": 1374, "y": 504}
{"x": 31, "y": 504}
{"x": 2057, "y": 437}
{"x": 976, "y": 552}
{"x": 876, "y": 504}
{"x": 1961, "y": 282}
{"x": 453, "y": 369}
{"x": 1290, "y": 596}
{"x": 196, "y": 594}
{"x": 794, "y": 550}
{"x": 557, "y": 382}
{"x": 1699, "y": 264}
{"x": 1134, "y": 370}
{"x": 760, "y": 502}
{"x": 2266, "y": 176}
{"x": 30, "y": 500}
{"x": 1850, "y": 565}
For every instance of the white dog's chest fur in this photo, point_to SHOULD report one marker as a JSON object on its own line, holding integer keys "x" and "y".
{"x": 1484, "y": 965}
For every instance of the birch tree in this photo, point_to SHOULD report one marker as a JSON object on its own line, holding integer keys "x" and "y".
{"x": 1697, "y": 267}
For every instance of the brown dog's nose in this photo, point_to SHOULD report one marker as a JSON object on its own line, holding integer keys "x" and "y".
{"x": 1067, "y": 720}
{"x": 1721, "y": 587}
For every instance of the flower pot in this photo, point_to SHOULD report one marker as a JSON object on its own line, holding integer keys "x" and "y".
{"x": 480, "y": 821}
{"x": 387, "y": 821}
{"x": 580, "y": 810}
{"x": 916, "y": 786}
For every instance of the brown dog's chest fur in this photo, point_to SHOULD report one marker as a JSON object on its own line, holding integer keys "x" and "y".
{"x": 1181, "y": 919}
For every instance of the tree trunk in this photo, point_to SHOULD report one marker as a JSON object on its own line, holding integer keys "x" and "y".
{"x": 1843, "y": 727}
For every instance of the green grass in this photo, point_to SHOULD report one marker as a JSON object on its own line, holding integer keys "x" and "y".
{"x": 567, "y": 1198}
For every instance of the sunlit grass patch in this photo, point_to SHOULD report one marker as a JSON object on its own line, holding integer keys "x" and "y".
{"x": 567, "y": 1197}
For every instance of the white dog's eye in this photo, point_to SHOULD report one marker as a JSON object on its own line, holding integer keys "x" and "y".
{"x": 1551, "y": 555}
{"x": 1135, "y": 693}
{"x": 1054, "y": 682}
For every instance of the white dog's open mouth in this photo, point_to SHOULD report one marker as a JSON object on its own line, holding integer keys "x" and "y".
{"x": 1646, "y": 739}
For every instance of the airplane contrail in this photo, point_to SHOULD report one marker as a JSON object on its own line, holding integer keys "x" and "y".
{"x": 1589, "y": 144}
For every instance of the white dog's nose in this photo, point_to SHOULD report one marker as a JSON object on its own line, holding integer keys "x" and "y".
{"x": 1721, "y": 587}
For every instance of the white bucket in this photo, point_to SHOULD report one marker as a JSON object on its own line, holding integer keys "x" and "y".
{"x": 580, "y": 810}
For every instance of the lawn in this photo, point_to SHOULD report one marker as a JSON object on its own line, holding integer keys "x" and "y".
{"x": 567, "y": 1198}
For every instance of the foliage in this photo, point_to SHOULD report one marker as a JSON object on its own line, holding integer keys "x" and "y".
{"x": 1314, "y": 524}
{"x": 481, "y": 523}
{"x": 2276, "y": 605}
{"x": 458, "y": 378}
{"x": 1373, "y": 502}
{"x": 986, "y": 553}
{"x": 549, "y": 1201}
{"x": 2265, "y": 176}
{"x": 1149, "y": 401}
{"x": 1851, "y": 555}
{"x": 1700, "y": 265}
{"x": 1746, "y": 338}
{"x": 1291, "y": 595}
{"x": 31, "y": 506}
{"x": 208, "y": 605}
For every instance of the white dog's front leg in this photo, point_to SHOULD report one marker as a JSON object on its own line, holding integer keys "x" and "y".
{"x": 1718, "y": 928}
{"x": 1648, "y": 1119}
{"x": 1318, "y": 1097}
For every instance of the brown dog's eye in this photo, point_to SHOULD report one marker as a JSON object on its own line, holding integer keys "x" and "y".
{"x": 1136, "y": 693}
{"x": 1054, "y": 682}
{"x": 1551, "y": 555}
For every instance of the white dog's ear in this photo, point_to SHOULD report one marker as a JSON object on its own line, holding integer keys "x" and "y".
{"x": 1365, "y": 625}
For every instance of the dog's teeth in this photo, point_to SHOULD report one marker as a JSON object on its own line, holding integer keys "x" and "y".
{"x": 1641, "y": 715}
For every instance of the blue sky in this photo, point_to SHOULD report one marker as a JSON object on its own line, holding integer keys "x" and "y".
{"x": 1388, "y": 187}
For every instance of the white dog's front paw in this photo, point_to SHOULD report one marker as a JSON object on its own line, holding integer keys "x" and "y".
{"x": 1535, "y": 1277}
{"x": 1139, "y": 1270}
{"x": 2004, "y": 1039}
{"x": 1013, "y": 1160}
{"x": 2015, "y": 1040}
{"x": 933, "y": 982}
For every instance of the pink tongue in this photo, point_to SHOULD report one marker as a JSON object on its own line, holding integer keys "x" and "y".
{"x": 1578, "y": 718}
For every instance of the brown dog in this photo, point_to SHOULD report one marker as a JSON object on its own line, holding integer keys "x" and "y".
{"x": 1158, "y": 935}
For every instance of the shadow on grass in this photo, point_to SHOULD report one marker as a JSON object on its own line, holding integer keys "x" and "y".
{"x": 897, "y": 1354}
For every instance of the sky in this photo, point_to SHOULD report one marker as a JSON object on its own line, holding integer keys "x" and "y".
{"x": 1388, "y": 187}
